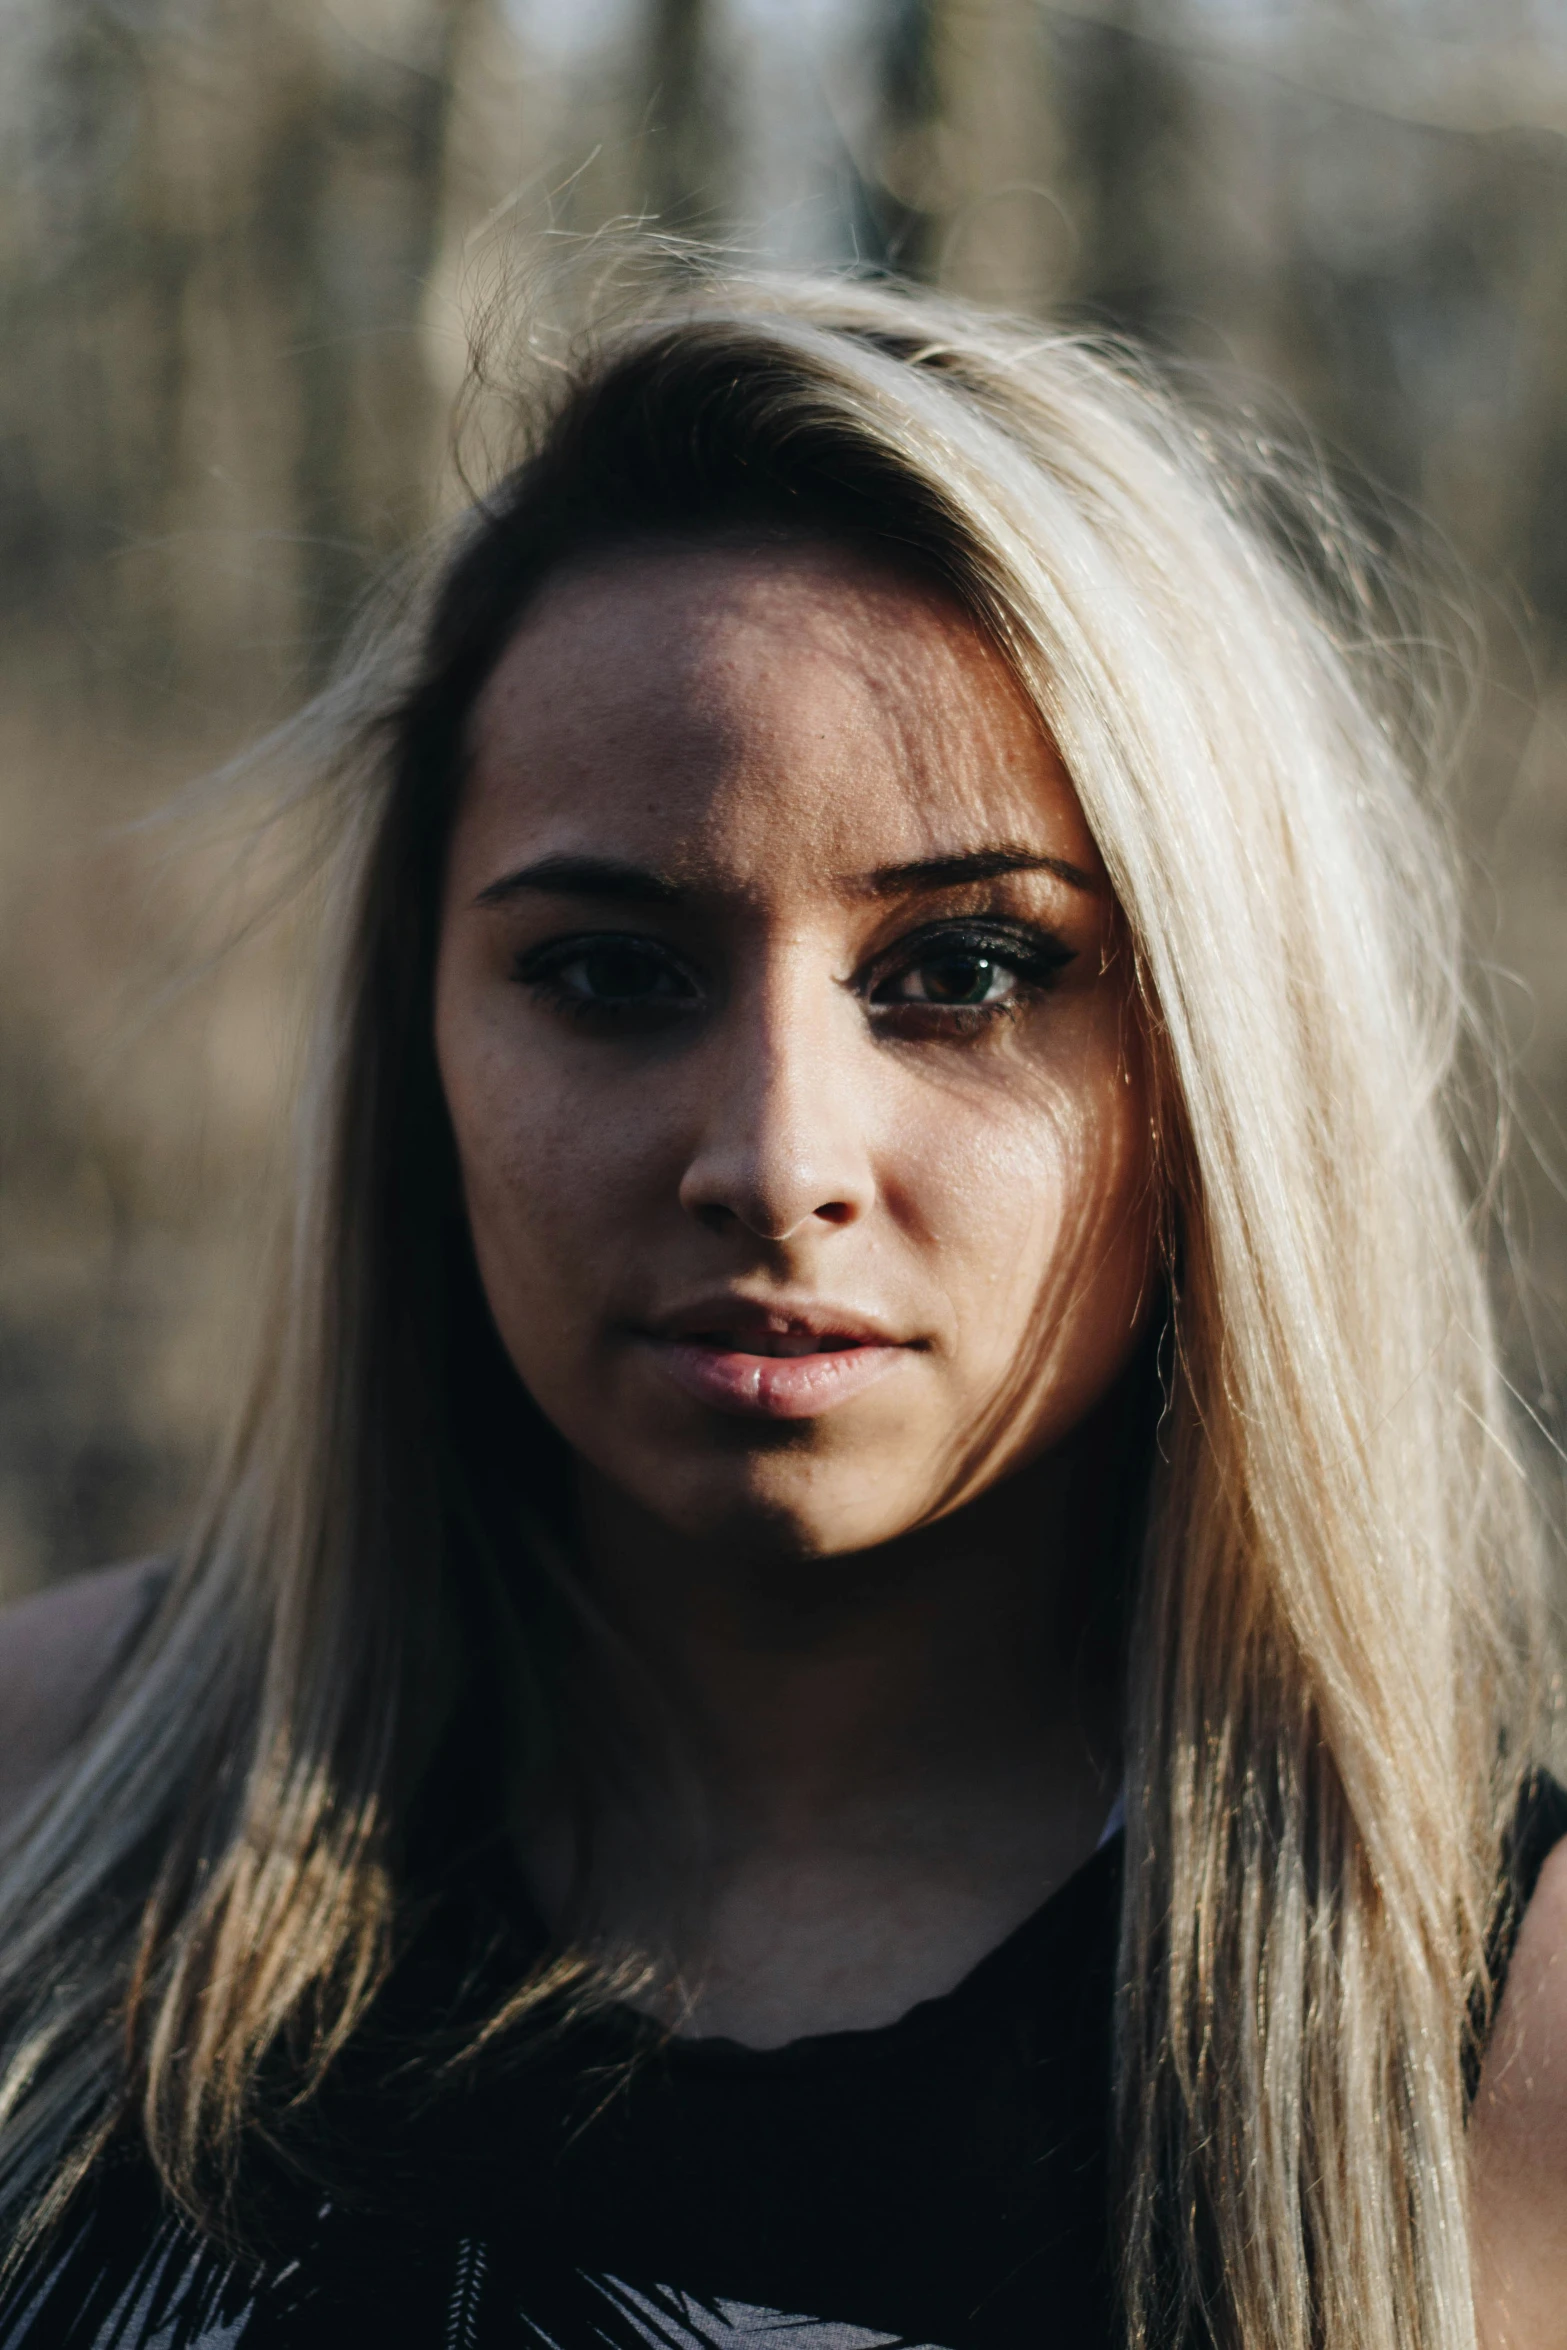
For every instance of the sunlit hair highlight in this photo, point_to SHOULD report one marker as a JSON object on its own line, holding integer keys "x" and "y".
{"x": 1330, "y": 1696}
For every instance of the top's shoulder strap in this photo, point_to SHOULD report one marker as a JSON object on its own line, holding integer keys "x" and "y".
{"x": 1539, "y": 1824}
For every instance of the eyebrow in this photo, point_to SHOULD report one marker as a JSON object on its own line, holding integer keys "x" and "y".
{"x": 585, "y": 877}
{"x": 969, "y": 866}
{"x": 640, "y": 885}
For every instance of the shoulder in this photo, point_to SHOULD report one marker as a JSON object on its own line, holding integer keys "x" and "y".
{"x": 58, "y": 1649}
{"x": 1518, "y": 2135}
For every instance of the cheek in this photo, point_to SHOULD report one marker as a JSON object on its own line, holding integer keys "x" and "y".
{"x": 1043, "y": 1219}
{"x": 548, "y": 1186}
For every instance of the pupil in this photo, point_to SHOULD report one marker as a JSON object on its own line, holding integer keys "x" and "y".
{"x": 959, "y": 979}
{"x": 617, "y": 971}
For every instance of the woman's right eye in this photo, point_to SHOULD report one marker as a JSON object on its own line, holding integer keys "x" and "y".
{"x": 609, "y": 975}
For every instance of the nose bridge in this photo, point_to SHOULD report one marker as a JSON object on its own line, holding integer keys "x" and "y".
{"x": 782, "y": 1140}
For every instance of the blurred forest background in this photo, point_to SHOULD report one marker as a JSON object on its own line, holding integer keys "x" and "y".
{"x": 236, "y": 239}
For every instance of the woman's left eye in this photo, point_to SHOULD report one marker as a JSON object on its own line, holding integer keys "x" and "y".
{"x": 957, "y": 979}
{"x": 957, "y": 973}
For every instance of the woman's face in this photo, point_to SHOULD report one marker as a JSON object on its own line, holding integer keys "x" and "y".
{"x": 786, "y": 1024}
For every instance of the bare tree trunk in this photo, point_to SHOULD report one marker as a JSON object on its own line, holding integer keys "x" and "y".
{"x": 1131, "y": 142}
{"x": 687, "y": 146}
{"x": 1003, "y": 236}
{"x": 968, "y": 149}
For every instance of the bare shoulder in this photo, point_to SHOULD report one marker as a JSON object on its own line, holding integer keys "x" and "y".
{"x": 57, "y": 1649}
{"x": 1518, "y": 2137}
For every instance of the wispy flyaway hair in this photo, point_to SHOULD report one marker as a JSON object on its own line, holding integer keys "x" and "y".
{"x": 1329, "y": 1701}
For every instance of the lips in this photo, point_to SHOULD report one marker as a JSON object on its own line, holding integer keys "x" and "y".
{"x": 777, "y": 1346}
{"x": 759, "y": 1363}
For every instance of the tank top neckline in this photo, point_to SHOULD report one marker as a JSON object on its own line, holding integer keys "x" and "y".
{"x": 1053, "y": 1924}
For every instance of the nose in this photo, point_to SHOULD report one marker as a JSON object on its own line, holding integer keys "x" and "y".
{"x": 783, "y": 1148}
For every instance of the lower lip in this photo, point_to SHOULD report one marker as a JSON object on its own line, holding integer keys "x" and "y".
{"x": 774, "y": 1387}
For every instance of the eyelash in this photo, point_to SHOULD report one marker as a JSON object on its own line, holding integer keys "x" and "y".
{"x": 540, "y": 971}
{"x": 1034, "y": 958}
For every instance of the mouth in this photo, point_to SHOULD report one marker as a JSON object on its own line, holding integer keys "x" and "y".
{"x": 760, "y": 1364}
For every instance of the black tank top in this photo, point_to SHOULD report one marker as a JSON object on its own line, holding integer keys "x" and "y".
{"x": 939, "y": 2184}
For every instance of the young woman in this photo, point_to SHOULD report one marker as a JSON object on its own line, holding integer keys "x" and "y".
{"x": 880, "y": 1282}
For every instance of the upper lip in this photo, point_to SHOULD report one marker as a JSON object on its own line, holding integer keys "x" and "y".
{"x": 726, "y": 1316}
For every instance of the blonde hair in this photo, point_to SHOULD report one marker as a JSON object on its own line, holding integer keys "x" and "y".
{"x": 1329, "y": 1706}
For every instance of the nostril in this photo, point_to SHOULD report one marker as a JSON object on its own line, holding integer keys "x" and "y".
{"x": 774, "y": 1211}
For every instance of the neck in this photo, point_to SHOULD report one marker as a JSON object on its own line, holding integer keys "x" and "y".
{"x": 805, "y": 1692}
{"x": 850, "y": 1777}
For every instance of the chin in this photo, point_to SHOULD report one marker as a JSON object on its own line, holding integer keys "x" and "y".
{"x": 781, "y": 1508}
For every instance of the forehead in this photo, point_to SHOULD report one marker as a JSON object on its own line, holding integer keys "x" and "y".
{"x": 738, "y": 714}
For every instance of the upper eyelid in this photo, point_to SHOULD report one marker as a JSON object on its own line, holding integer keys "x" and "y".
{"x": 554, "y": 950}
{"x": 1025, "y": 937}
{"x": 1001, "y": 926}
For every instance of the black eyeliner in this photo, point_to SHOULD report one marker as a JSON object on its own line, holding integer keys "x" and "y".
{"x": 538, "y": 968}
{"x": 1036, "y": 956}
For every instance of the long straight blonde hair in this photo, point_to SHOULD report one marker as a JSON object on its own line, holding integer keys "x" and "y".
{"x": 1330, "y": 1696}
